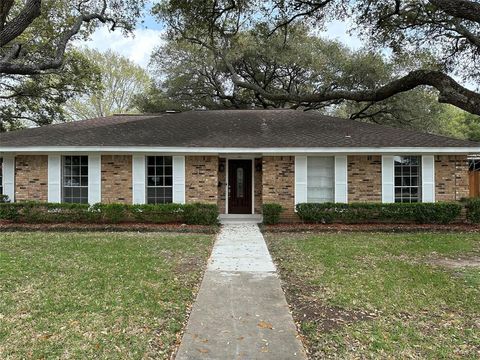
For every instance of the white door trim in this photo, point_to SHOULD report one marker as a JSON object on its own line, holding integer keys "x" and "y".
{"x": 227, "y": 160}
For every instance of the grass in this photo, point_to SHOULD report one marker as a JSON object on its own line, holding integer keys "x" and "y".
{"x": 96, "y": 295}
{"x": 366, "y": 295}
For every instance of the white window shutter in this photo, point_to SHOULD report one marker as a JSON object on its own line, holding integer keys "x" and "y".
{"x": 388, "y": 179}
{"x": 94, "y": 179}
{"x": 138, "y": 179}
{"x": 428, "y": 179}
{"x": 341, "y": 179}
{"x": 54, "y": 178}
{"x": 300, "y": 179}
{"x": 179, "y": 179}
{"x": 9, "y": 177}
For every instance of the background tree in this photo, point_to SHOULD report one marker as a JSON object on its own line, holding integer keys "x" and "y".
{"x": 120, "y": 81}
{"x": 451, "y": 28}
{"x": 39, "y": 68}
{"x": 39, "y": 99}
{"x": 297, "y": 62}
{"x": 35, "y": 34}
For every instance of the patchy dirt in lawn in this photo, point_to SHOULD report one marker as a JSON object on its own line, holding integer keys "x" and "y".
{"x": 467, "y": 262}
{"x": 308, "y": 309}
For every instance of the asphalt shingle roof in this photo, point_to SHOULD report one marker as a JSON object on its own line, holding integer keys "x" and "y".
{"x": 226, "y": 129}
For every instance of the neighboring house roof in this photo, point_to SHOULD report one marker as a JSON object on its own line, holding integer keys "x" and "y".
{"x": 226, "y": 129}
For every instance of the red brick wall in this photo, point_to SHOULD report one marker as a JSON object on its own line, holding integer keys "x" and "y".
{"x": 451, "y": 177}
{"x": 278, "y": 184}
{"x": 31, "y": 178}
{"x": 364, "y": 178}
{"x": 117, "y": 179}
{"x": 201, "y": 179}
{"x": 222, "y": 190}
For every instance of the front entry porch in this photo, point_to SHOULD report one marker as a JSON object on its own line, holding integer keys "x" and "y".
{"x": 240, "y": 186}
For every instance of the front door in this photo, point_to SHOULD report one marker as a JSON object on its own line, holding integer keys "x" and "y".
{"x": 240, "y": 186}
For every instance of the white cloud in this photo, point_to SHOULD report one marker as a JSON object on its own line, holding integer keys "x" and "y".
{"x": 137, "y": 47}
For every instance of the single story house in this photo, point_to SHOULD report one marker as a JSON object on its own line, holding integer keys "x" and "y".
{"x": 238, "y": 159}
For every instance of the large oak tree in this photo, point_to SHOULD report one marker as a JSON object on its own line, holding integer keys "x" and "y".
{"x": 39, "y": 68}
{"x": 450, "y": 29}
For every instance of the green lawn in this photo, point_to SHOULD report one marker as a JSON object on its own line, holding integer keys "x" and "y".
{"x": 383, "y": 295}
{"x": 96, "y": 295}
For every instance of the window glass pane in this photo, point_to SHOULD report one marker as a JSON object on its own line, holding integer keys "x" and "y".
{"x": 407, "y": 179}
{"x": 159, "y": 179}
{"x": 75, "y": 179}
{"x": 320, "y": 179}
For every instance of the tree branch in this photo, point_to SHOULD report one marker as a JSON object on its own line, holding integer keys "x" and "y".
{"x": 450, "y": 91}
{"x": 10, "y": 67}
{"x": 464, "y": 9}
{"x": 17, "y": 26}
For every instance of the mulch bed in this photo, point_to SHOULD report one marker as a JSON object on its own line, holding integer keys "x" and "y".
{"x": 371, "y": 228}
{"x": 121, "y": 227}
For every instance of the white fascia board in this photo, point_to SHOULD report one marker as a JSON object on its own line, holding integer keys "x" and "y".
{"x": 261, "y": 151}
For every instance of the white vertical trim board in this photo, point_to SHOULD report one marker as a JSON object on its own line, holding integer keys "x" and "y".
{"x": 9, "y": 176}
{"x": 94, "y": 179}
{"x": 300, "y": 179}
{"x": 341, "y": 179}
{"x": 179, "y": 179}
{"x": 388, "y": 179}
{"x": 428, "y": 178}
{"x": 138, "y": 179}
{"x": 54, "y": 178}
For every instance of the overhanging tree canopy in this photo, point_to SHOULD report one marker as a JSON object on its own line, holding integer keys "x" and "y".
{"x": 449, "y": 28}
{"x": 24, "y": 51}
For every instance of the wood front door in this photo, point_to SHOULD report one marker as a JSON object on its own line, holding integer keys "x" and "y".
{"x": 240, "y": 186}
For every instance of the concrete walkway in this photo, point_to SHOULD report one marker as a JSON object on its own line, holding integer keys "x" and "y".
{"x": 241, "y": 311}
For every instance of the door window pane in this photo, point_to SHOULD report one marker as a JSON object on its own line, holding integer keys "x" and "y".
{"x": 240, "y": 182}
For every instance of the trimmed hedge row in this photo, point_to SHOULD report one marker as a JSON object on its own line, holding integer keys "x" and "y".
{"x": 34, "y": 212}
{"x": 271, "y": 213}
{"x": 473, "y": 210}
{"x": 422, "y": 213}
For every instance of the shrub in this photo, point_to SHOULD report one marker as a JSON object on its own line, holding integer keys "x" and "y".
{"x": 158, "y": 214}
{"x": 4, "y": 199}
{"x": 473, "y": 210}
{"x": 200, "y": 214}
{"x": 35, "y": 212}
{"x": 422, "y": 213}
{"x": 271, "y": 213}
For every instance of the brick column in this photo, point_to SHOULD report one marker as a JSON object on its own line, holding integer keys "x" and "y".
{"x": 201, "y": 179}
{"x": 31, "y": 178}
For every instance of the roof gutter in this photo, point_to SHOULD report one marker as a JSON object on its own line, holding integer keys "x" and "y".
{"x": 285, "y": 151}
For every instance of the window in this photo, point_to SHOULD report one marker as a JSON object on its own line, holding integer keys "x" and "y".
{"x": 159, "y": 180}
{"x": 320, "y": 179}
{"x": 75, "y": 179}
{"x": 408, "y": 179}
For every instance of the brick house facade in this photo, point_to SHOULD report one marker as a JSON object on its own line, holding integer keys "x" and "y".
{"x": 238, "y": 159}
{"x": 274, "y": 180}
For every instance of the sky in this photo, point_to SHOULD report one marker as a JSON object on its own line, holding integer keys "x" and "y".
{"x": 148, "y": 35}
